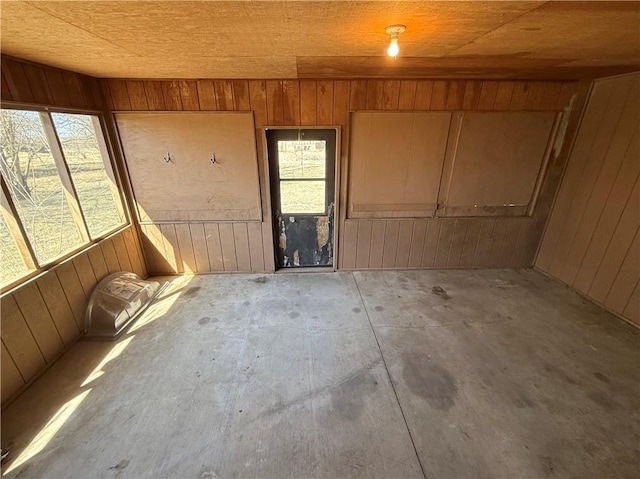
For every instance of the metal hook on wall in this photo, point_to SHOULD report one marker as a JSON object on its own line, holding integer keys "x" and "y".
{"x": 213, "y": 158}
{"x": 167, "y": 157}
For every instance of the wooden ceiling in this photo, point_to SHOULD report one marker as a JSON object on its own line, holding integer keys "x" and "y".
{"x": 313, "y": 39}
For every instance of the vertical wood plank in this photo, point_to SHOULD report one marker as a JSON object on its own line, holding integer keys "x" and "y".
{"x": 171, "y": 248}
{"x": 121, "y": 252}
{"x": 431, "y": 243}
{"x": 444, "y": 242}
{"x": 363, "y": 246}
{"x": 98, "y": 264}
{"x": 268, "y": 247}
{"x": 228, "y": 245}
{"x": 503, "y": 95}
{"x": 199, "y": 242}
{"x": 471, "y": 95}
{"x": 134, "y": 249}
{"x": 275, "y": 105}
{"x": 206, "y": 95}
{"x": 378, "y": 229}
{"x": 424, "y": 89}
{"x": 214, "y": 248}
{"x": 405, "y": 237}
{"x": 510, "y": 242}
{"x": 324, "y": 103}
{"x": 626, "y": 279}
{"x": 256, "y": 249}
{"x": 241, "y": 239}
{"x": 291, "y": 96}
{"x": 341, "y": 108}
{"x": 375, "y": 90}
{"x": 358, "y": 95}
{"x": 189, "y": 95}
{"x": 258, "y": 95}
{"x": 58, "y": 307}
{"x": 38, "y": 83}
{"x": 390, "y": 243}
{"x": 417, "y": 243}
{"x": 391, "y": 95}
{"x": 481, "y": 255}
{"x": 241, "y": 99}
{"x": 497, "y": 239}
{"x": 82, "y": 265}
{"x": 455, "y": 98}
{"x": 39, "y": 320}
{"x": 307, "y": 102}
{"x": 119, "y": 94}
{"x": 632, "y": 310}
{"x": 73, "y": 291}
{"x": 137, "y": 95}
{"x": 488, "y": 94}
{"x": 110, "y": 256}
{"x": 19, "y": 340}
{"x": 171, "y": 94}
{"x": 439, "y": 95}
{"x": 407, "y": 94}
{"x": 12, "y": 380}
{"x": 155, "y": 97}
{"x": 457, "y": 242}
{"x": 474, "y": 225}
{"x": 17, "y": 80}
{"x": 349, "y": 248}
{"x": 224, "y": 94}
{"x": 57, "y": 87}
{"x": 519, "y": 95}
{"x": 187, "y": 255}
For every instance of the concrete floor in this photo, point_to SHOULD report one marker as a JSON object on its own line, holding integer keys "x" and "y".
{"x": 444, "y": 374}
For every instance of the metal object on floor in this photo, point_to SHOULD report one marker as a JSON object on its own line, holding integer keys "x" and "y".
{"x": 115, "y": 302}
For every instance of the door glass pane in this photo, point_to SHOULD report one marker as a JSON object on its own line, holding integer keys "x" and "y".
{"x": 302, "y": 197}
{"x": 13, "y": 266}
{"x": 34, "y": 184}
{"x": 95, "y": 189}
{"x": 302, "y": 159}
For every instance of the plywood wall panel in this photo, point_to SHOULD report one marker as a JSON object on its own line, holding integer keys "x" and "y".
{"x": 183, "y": 235}
{"x": 291, "y": 100}
{"x": 417, "y": 243}
{"x": 596, "y": 216}
{"x": 308, "y": 102}
{"x": 73, "y": 291}
{"x": 378, "y": 232}
{"x": 363, "y": 247}
{"x": 324, "y": 101}
{"x": 256, "y": 247}
{"x": 110, "y": 256}
{"x": 12, "y": 380}
{"x": 407, "y": 95}
{"x": 137, "y": 95}
{"x": 405, "y": 237}
{"x": 59, "y": 308}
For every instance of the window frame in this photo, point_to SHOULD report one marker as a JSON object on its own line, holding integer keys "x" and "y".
{"x": 297, "y": 179}
{"x": 10, "y": 213}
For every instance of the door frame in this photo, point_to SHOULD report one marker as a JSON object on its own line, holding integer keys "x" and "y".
{"x": 268, "y": 214}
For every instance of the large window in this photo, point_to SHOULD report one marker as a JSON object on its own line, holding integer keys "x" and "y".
{"x": 58, "y": 188}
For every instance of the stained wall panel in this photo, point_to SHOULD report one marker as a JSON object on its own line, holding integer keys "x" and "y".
{"x": 591, "y": 240}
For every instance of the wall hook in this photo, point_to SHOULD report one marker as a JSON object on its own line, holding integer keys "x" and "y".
{"x": 167, "y": 157}
{"x": 213, "y": 158}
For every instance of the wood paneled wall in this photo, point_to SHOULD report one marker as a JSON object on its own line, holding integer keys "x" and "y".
{"x": 45, "y": 316}
{"x": 592, "y": 241}
{"x": 27, "y": 82}
{"x": 513, "y": 242}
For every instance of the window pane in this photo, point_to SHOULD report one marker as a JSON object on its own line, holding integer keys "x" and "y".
{"x": 94, "y": 188}
{"x": 302, "y": 159}
{"x": 12, "y": 266}
{"x": 302, "y": 197}
{"x": 34, "y": 184}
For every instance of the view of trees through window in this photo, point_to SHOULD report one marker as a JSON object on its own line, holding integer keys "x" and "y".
{"x": 33, "y": 177}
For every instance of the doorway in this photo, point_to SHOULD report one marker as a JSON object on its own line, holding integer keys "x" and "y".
{"x": 302, "y": 172}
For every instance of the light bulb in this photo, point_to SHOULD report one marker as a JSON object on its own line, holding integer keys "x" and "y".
{"x": 393, "y": 49}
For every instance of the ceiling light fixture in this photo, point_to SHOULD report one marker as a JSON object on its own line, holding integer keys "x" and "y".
{"x": 394, "y": 31}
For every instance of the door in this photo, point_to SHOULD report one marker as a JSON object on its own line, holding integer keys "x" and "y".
{"x": 302, "y": 171}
